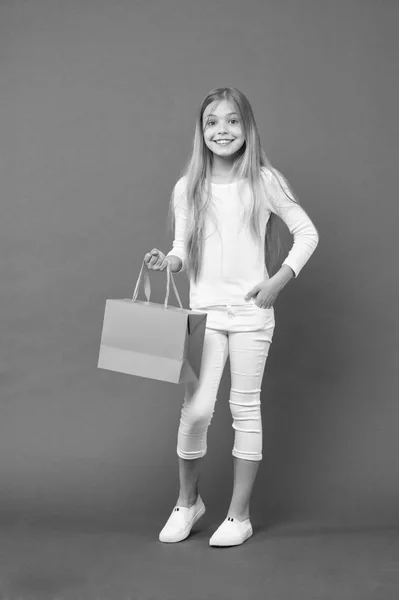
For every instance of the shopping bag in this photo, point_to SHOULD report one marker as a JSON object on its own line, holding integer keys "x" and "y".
{"x": 152, "y": 340}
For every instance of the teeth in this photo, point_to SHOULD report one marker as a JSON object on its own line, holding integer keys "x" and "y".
{"x": 224, "y": 142}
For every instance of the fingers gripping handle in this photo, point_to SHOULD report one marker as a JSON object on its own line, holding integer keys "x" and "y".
{"x": 147, "y": 285}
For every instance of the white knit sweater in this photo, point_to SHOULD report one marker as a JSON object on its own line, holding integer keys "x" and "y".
{"x": 233, "y": 263}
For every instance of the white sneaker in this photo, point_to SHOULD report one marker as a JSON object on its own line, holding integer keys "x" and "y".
{"x": 231, "y": 533}
{"x": 181, "y": 520}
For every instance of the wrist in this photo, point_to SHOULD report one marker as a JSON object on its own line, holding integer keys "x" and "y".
{"x": 283, "y": 276}
{"x": 175, "y": 262}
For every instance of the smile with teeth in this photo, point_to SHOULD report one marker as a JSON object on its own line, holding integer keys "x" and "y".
{"x": 223, "y": 142}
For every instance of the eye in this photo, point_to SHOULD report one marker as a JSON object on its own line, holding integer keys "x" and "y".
{"x": 212, "y": 122}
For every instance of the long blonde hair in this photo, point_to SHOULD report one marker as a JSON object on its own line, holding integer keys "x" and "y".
{"x": 248, "y": 164}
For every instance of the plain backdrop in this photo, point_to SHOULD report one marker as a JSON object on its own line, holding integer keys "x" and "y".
{"x": 98, "y": 101}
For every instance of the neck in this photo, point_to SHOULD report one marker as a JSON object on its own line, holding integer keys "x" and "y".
{"x": 221, "y": 166}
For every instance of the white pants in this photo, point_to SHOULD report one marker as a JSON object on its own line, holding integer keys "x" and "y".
{"x": 243, "y": 332}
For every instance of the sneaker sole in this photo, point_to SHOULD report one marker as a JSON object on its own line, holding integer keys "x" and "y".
{"x": 186, "y": 532}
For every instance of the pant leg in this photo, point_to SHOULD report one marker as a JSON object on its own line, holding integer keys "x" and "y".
{"x": 200, "y": 397}
{"x": 248, "y": 354}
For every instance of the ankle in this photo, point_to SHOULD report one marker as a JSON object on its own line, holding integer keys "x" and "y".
{"x": 187, "y": 499}
{"x": 238, "y": 515}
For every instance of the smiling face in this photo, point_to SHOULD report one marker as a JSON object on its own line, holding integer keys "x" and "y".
{"x": 223, "y": 132}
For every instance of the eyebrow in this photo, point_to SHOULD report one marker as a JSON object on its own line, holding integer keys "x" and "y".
{"x": 228, "y": 114}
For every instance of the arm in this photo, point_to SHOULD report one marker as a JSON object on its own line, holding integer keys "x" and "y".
{"x": 283, "y": 276}
{"x": 306, "y": 236}
{"x": 178, "y": 252}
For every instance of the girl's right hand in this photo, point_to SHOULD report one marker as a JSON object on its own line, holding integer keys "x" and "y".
{"x": 155, "y": 260}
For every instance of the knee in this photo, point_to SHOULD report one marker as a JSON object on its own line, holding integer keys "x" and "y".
{"x": 241, "y": 411}
{"x": 197, "y": 418}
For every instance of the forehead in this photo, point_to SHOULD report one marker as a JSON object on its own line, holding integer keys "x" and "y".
{"x": 220, "y": 108}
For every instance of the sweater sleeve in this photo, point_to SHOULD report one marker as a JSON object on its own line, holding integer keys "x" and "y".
{"x": 305, "y": 234}
{"x": 180, "y": 209}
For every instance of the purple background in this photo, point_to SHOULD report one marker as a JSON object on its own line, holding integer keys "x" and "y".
{"x": 97, "y": 107}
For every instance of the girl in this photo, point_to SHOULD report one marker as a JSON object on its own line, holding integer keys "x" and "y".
{"x": 225, "y": 207}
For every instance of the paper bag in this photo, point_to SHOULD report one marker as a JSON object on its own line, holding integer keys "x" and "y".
{"x": 152, "y": 340}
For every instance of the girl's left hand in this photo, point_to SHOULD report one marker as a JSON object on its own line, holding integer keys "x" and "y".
{"x": 266, "y": 293}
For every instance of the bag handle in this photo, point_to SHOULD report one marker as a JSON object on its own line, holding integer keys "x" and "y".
{"x": 147, "y": 284}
